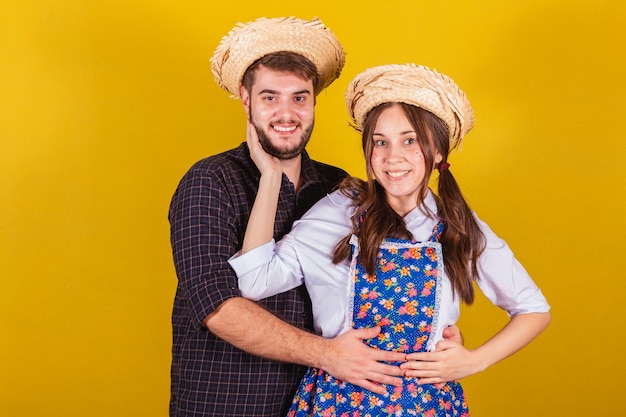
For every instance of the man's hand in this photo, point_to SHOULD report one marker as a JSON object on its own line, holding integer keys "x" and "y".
{"x": 349, "y": 359}
{"x": 244, "y": 324}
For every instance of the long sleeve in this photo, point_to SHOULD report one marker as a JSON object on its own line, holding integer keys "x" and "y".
{"x": 304, "y": 254}
{"x": 203, "y": 236}
{"x": 504, "y": 281}
{"x": 265, "y": 271}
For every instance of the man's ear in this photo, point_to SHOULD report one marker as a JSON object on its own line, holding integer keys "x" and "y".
{"x": 245, "y": 99}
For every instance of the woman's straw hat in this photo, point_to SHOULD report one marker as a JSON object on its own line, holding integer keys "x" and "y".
{"x": 411, "y": 84}
{"x": 246, "y": 43}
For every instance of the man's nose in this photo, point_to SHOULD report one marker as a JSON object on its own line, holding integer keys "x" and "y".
{"x": 286, "y": 110}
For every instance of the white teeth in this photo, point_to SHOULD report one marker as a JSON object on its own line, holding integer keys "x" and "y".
{"x": 284, "y": 129}
{"x": 397, "y": 173}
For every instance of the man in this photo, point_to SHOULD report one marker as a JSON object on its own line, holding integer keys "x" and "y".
{"x": 231, "y": 356}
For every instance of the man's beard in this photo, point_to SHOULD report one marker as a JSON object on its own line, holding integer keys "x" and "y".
{"x": 283, "y": 154}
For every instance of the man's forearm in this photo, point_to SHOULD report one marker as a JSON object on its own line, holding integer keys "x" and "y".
{"x": 253, "y": 329}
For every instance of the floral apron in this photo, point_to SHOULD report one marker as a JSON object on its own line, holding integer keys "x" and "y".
{"x": 403, "y": 300}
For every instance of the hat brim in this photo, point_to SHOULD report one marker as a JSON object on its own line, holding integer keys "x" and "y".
{"x": 248, "y": 42}
{"x": 412, "y": 84}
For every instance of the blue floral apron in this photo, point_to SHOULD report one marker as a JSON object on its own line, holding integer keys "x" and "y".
{"x": 402, "y": 298}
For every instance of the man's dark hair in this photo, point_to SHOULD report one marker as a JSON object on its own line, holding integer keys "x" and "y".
{"x": 283, "y": 61}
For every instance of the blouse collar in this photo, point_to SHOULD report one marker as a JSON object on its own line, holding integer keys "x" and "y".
{"x": 424, "y": 213}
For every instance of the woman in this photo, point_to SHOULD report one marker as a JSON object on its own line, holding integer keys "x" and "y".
{"x": 390, "y": 252}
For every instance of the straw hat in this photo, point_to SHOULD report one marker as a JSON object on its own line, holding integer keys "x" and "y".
{"x": 246, "y": 43}
{"x": 411, "y": 84}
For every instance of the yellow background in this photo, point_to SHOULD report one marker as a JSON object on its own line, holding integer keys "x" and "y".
{"x": 105, "y": 104}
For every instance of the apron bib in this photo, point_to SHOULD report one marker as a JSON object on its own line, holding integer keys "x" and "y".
{"x": 402, "y": 298}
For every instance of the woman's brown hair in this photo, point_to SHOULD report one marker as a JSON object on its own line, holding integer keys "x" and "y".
{"x": 374, "y": 219}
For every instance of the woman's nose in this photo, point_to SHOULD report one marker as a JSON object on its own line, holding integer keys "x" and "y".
{"x": 394, "y": 152}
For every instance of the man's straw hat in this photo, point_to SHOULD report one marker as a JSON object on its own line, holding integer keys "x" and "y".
{"x": 246, "y": 43}
{"x": 411, "y": 84}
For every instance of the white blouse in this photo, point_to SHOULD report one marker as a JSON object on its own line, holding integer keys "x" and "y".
{"x": 304, "y": 255}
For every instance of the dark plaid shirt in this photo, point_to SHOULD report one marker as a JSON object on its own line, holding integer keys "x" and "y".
{"x": 208, "y": 217}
